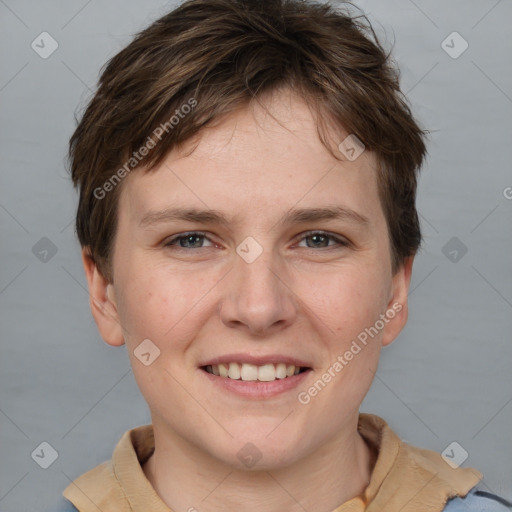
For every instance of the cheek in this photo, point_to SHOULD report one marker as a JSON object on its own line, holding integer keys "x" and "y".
{"x": 159, "y": 303}
{"x": 347, "y": 300}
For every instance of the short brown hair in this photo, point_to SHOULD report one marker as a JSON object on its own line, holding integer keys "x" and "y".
{"x": 222, "y": 54}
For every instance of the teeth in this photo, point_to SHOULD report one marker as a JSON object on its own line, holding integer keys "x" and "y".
{"x": 280, "y": 371}
{"x": 252, "y": 372}
{"x": 234, "y": 371}
{"x": 248, "y": 372}
{"x": 266, "y": 373}
{"x": 223, "y": 370}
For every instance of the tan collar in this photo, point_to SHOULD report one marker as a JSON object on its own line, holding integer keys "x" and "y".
{"x": 120, "y": 485}
{"x": 404, "y": 478}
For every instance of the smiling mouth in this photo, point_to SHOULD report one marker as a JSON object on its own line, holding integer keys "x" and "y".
{"x": 251, "y": 372}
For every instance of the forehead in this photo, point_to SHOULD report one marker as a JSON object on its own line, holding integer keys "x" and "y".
{"x": 258, "y": 161}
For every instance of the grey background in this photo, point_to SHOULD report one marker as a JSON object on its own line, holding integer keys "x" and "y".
{"x": 446, "y": 378}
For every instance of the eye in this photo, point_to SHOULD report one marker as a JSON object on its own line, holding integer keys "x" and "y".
{"x": 192, "y": 240}
{"x": 320, "y": 239}
{"x": 313, "y": 239}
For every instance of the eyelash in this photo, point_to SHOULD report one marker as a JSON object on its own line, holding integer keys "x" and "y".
{"x": 172, "y": 242}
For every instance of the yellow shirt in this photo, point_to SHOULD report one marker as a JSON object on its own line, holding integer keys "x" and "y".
{"x": 404, "y": 478}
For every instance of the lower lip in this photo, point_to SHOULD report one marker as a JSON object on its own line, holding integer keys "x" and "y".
{"x": 255, "y": 388}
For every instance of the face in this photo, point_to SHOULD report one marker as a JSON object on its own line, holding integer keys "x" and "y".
{"x": 257, "y": 253}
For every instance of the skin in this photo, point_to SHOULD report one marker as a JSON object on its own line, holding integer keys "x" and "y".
{"x": 304, "y": 296}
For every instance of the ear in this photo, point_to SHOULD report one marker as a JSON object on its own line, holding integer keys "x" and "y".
{"x": 397, "y": 304}
{"x": 102, "y": 301}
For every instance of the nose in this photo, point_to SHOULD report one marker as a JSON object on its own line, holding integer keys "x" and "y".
{"x": 258, "y": 296}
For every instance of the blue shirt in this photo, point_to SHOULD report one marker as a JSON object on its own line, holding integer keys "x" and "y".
{"x": 477, "y": 500}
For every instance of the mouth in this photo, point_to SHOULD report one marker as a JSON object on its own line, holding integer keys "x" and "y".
{"x": 248, "y": 372}
{"x": 255, "y": 378}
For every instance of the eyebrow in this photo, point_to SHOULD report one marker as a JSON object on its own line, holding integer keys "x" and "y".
{"x": 293, "y": 216}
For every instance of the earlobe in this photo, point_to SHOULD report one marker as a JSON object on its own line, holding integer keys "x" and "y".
{"x": 397, "y": 309}
{"x": 102, "y": 302}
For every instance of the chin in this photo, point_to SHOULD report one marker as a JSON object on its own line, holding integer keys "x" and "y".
{"x": 261, "y": 454}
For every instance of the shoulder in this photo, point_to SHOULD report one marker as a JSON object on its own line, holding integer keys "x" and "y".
{"x": 64, "y": 506}
{"x": 478, "y": 501}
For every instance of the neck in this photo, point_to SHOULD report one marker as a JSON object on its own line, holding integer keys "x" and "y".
{"x": 186, "y": 478}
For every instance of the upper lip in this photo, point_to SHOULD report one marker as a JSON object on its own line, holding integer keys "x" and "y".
{"x": 256, "y": 360}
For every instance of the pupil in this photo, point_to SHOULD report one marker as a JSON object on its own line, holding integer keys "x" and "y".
{"x": 318, "y": 238}
{"x": 190, "y": 240}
